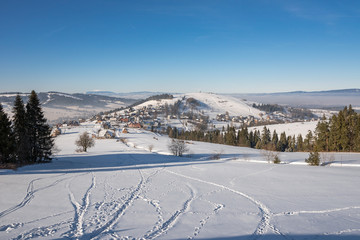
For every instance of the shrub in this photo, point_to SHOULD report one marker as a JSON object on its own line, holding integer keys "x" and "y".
{"x": 276, "y": 159}
{"x": 313, "y": 159}
{"x": 216, "y": 155}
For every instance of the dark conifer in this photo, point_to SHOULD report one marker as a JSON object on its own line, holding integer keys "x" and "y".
{"x": 41, "y": 142}
{"x": 6, "y": 138}
{"x": 22, "y": 147}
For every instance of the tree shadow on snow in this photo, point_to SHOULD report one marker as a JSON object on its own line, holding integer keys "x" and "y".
{"x": 115, "y": 161}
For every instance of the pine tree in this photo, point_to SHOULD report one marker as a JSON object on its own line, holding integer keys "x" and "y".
{"x": 243, "y": 137}
{"x": 322, "y": 133}
{"x": 313, "y": 159}
{"x": 274, "y": 140}
{"x": 299, "y": 143}
{"x": 265, "y": 137}
{"x": 283, "y": 142}
{"x": 308, "y": 141}
{"x": 22, "y": 149}
{"x": 41, "y": 142}
{"x": 6, "y": 138}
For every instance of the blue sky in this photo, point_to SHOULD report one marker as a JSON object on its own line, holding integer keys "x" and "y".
{"x": 225, "y": 46}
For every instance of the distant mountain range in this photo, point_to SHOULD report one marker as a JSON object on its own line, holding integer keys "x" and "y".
{"x": 129, "y": 95}
{"x": 59, "y": 106}
{"x": 331, "y": 98}
{"x": 63, "y": 106}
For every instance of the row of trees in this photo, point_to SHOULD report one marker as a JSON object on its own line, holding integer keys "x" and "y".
{"x": 340, "y": 133}
{"x": 244, "y": 138}
{"x": 26, "y": 138}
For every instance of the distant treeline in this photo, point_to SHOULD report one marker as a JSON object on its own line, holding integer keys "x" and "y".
{"x": 296, "y": 113}
{"x": 269, "y": 107}
{"x": 26, "y": 138}
{"x": 340, "y": 133}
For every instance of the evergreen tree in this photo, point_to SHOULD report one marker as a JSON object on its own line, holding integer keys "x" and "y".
{"x": 313, "y": 159}
{"x": 41, "y": 142}
{"x": 230, "y": 136}
{"x": 308, "y": 141}
{"x": 6, "y": 138}
{"x": 243, "y": 137}
{"x": 257, "y": 139}
{"x": 322, "y": 133}
{"x": 274, "y": 140}
{"x": 283, "y": 142}
{"x": 22, "y": 147}
{"x": 291, "y": 143}
{"x": 335, "y": 131}
{"x": 265, "y": 137}
{"x": 299, "y": 143}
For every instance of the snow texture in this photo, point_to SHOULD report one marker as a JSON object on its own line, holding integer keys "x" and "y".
{"x": 122, "y": 190}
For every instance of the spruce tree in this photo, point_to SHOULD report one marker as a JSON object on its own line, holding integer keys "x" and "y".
{"x": 308, "y": 141}
{"x": 22, "y": 148}
{"x": 6, "y": 138}
{"x": 299, "y": 143}
{"x": 283, "y": 142}
{"x": 275, "y": 140}
{"x": 322, "y": 133}
{"x": 265, "y": 137}
{"x": 39, "y": 131}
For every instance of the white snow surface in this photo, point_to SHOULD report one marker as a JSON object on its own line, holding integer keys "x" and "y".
{"x": 124, "y": 191}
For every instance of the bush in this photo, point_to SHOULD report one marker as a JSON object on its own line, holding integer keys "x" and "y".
{"x": 313, "y": 159}
{"x": 216, "y": 155}
{"x": 84, "y": 142}
{"x": 178, "y": 147}
{"x": 276, "y": 159}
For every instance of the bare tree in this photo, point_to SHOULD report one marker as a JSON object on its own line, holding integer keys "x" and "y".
{"x": 84, "y": 142}
{"x": 271, "y": 156}
{"x": 178, "y": 147}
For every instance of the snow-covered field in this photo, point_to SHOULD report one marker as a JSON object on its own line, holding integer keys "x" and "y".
{"x": 124, "y": 191}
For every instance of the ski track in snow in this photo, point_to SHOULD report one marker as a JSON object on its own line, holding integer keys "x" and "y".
{"x": 30, "y": 194}
{"x": 172, "y": 220}
{"x": 197, "y": 230}
{"x": 264, "y": 224}
{"x": 43, "y": 231}
{"x": 80, "y": 209}
{"x": 120, "y": 210}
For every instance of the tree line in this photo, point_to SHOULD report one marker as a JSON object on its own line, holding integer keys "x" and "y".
{"x": 25, "y": 139}
{"x": 339, "y": 133}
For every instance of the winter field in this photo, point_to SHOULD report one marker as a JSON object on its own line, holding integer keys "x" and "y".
{"x": 125, "y": 191}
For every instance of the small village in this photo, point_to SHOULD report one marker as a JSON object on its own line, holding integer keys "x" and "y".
{"x": 157, "y": 118}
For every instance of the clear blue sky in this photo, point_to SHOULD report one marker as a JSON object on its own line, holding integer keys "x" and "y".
{"x": 179, "y": 45}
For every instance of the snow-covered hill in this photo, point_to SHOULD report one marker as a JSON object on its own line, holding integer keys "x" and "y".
{"x": 124, "y": 191}
{"x": 210, "y": 104}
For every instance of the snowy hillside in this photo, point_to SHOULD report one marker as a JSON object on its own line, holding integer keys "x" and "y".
{"x": 124, "y": 191}
{"x": 61, "y": 106}
{"x": 211, "y": 104}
